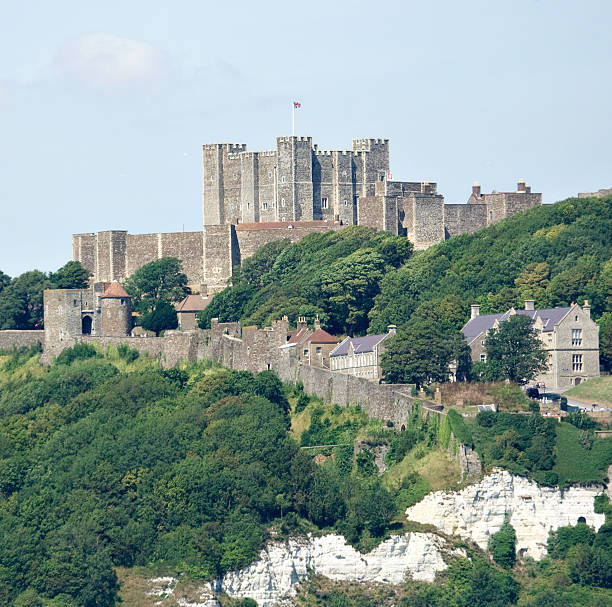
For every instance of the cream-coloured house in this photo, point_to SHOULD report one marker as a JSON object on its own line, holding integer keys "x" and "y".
{"x": 360, "y": 356}
{"x": 568, "y": 334}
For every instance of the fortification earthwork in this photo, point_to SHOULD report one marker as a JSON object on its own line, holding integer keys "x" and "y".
{"x": 252, "y": 198}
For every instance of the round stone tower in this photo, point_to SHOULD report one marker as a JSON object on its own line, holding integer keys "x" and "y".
{"x": 116, "y": 311}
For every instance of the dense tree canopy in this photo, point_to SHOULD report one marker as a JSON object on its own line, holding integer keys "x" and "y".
{"x": 159, "y": 281}
{"x": 514, "y": 350}
{"x": 21, "y": 299}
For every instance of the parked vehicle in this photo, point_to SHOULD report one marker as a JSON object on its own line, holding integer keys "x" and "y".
{"x": 532, "y": 393}
{"x": 551, "y": 396}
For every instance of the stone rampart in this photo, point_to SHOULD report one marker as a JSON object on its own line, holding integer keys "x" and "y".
{"x": 464, "y": 218}
{"x": 19, "y": 339}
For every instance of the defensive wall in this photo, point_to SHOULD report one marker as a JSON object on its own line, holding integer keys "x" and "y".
{"x": 172, "y": 348}
{"x": 256, "y": 350}
{"x": 10, "y": 339}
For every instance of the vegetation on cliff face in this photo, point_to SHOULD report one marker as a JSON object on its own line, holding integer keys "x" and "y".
{"x": 359, "y": 281}
{"x": 108, "y": 460}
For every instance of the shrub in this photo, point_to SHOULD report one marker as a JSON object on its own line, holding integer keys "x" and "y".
{"x": 79, "y": 351}
{"x": 126, "y": 353}
{"x": 503, "y": 546}
{"x": 564, "y": 538}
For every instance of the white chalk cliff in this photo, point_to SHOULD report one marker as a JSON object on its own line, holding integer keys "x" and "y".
{"x": 479, "y": 510}
{"x": 282, "y": 565}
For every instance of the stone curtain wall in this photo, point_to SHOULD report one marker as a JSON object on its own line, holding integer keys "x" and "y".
{"x": 464, "y": 218}
{"x": 19, "y": 339}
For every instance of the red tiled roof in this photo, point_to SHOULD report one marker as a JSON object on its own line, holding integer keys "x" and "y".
{"x": 114, "y": 289}
{"x": 297, "y": 336}
{"x": 322, "y": 337}
{"x": 271, "y": 225}
{"x": 193, "y": 303}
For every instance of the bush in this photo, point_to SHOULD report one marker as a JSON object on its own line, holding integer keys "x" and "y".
{"x": 503, "y": 546}
{"x": 564, "y": 538}
{"x": 79, "y": 351}
{"x": 126, "y": 353}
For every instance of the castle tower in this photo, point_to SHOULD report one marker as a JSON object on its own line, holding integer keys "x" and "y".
{"x": 374, "y": 163}
{"x": 116, "y": 310}
{"x": 294, "y": 198}
{"x": 221, "y": 182}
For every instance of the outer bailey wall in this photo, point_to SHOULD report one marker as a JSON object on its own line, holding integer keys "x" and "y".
{"x": 250, "y": 240}
{"x": 464, "y": 218}
{"x": 172, "y": 348}
{"x": 18, "y": 339}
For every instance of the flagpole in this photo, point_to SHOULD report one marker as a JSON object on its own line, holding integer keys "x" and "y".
{"x": 292, "y": 118}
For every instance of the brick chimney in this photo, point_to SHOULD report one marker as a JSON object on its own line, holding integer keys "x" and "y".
{"x": 530, "y": 304}
{"x": 475, "y": 310}
{"x": 521, "y": 186}
{"x": 317, "y": 323}
{"x": 392, "y": 329}
{"x": 476, "y": 190}
{"x": 301, "y": 323}
{"x": 586, "y": 308}
{"x": 527, "y": 189}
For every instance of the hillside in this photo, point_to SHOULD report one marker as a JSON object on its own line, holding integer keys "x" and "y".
{"x": 360, "y": 281}
{"x": 109, "y": 463}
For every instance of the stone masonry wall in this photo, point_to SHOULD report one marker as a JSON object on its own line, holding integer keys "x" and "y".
{"x": 464, "y": 218}
{"x": 18, "y": 339}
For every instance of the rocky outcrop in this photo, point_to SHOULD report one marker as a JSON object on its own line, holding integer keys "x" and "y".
{"x": 479, "y": 510}
{"x": 281, "y": 566}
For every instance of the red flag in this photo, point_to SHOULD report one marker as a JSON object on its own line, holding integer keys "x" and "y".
{"x": 297, "y": 104}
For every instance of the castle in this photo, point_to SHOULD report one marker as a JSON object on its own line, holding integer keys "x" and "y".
{"x": 252, "y": 198}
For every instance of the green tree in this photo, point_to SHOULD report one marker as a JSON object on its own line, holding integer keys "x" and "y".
{"x": 503, "y": 546}
{"x": 21, "y": 302}
{"x": 605, "y": 340}
{"x": 350, "y": 284}
{"x": 5, "y": 280}
{"x": 72, "y": 275}
{"x": 159, "y": 281}
{"x": 421, "y": 353}
{"x": 531, "y": 283}
{"x": 516, "y": 348}
{"x": 161, "y": 317}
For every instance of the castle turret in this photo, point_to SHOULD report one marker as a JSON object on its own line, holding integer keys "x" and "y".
{"x": 116, "y": 310}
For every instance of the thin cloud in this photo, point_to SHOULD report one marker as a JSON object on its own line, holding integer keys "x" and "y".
{"x": 107, "y": 61}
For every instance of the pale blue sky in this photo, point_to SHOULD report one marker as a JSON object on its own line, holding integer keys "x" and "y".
{"x": 104, "y": 106}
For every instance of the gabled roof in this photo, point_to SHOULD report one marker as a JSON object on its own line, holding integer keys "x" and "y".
{"x": 481, "y": 324}
{"x": 297, "y": 336}
{"x": 113, "y": 289}
{"x": 360, "y": 344}
{"x": 193, "y": 303}
{"x": 322, "y": 337}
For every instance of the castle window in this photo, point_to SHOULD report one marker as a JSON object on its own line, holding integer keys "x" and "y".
{"x": 324, "y": 203}
{"x": 490, "y": 214}
{"x": 269, "y": 174}
{"x": 318, "y": 349}
{"x": 248, "y": 205}
{"x": 345, "y": 202}
{"x": 576, "y": 318}
{"x": 74, "y": 303}
{"x": 264, "y": 206}
{"x": 576, "y": 337}
{"x": 283, "y": 179}
{"x": 576, "y": 362}
{"x": 282, "y": 202}
{"x": 483, "y": 358}
{"x": 212, "y": 177}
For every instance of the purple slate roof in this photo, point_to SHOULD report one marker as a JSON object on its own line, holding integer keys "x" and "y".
{"x": 550, "y": 317}
{"x": 360, "y": 344}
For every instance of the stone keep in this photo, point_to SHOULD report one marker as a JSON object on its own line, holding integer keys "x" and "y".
{"x": 251, "y": 198}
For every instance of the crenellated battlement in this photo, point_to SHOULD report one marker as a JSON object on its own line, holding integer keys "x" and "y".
{"x": 227, "y": 147}
{"x": 297, "y": 138}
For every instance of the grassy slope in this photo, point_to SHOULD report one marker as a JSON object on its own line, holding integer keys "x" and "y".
{"x": 597, "y": 390}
